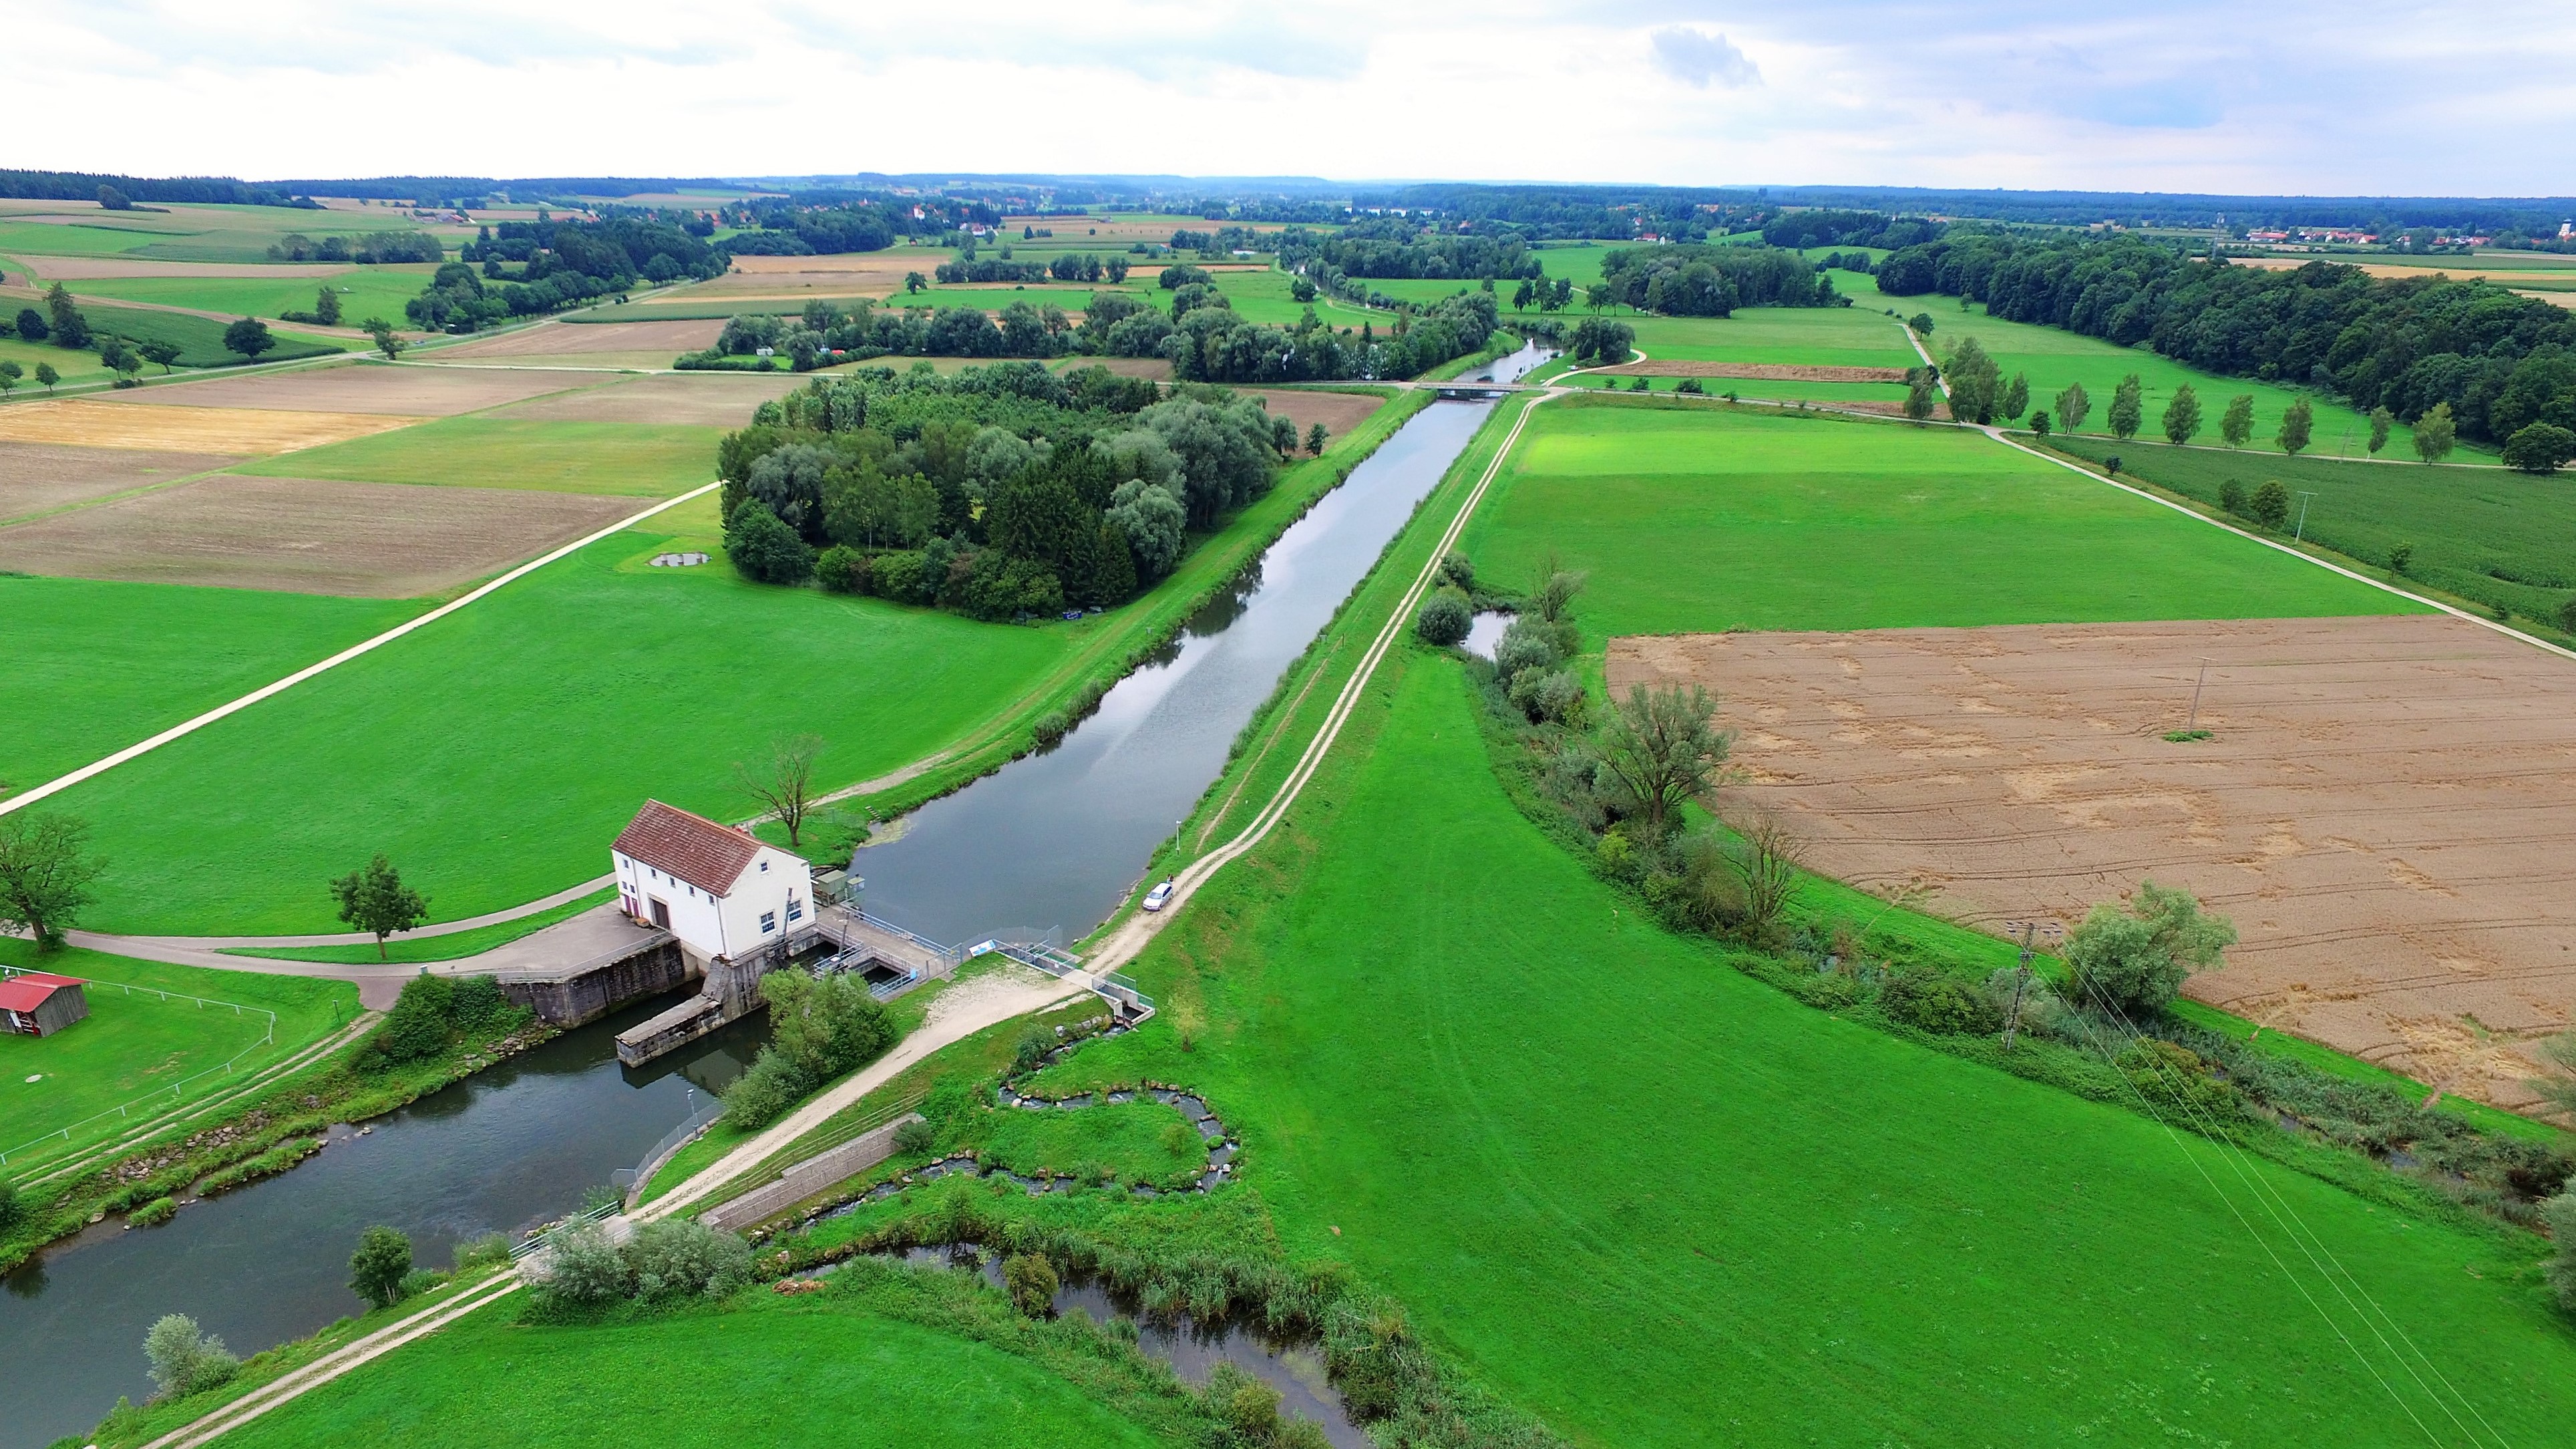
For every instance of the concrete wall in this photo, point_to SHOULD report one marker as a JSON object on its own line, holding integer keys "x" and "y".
{"x": 807, "y": 1178}
{"x": 596, "y": 992}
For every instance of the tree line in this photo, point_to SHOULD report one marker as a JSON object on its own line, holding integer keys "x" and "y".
{"x": 369, "y": 249}
{"x": 1831, "y": 227}
{"x": 1004, "y": 491}
{"x": 529, "y": 268}
{"x": 1711, "y": 281}
{"x": 2497, "y": 362}
{"x": 1397, "y": 247}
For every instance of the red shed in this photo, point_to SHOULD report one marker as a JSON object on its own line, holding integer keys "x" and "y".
{"x": 39, "y": 1003}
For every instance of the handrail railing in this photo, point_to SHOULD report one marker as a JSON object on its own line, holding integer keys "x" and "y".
{"x": 528, "y": 1245}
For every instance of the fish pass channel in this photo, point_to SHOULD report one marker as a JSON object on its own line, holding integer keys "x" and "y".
{"x": 1054, "y": 839}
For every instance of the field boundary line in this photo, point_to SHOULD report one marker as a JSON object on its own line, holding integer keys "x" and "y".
{"x": 221, "y": 711}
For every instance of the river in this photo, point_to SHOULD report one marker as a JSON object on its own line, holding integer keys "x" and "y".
{"x": 1053, "y": 840}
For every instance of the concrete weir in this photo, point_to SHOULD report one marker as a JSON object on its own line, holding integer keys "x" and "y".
{"x": 891, "y": 959}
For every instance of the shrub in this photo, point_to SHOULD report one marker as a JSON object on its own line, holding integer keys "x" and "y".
{"x": 1930, "y": 999}
{"x": 2174, "y": 1077}
{"x": 151, "y": 1214}
{"x": 678, "y": 1257}
{"x": 1031, "y": 1282}
{"x": 2135, "y": 960}
{"x": 914, "y": 1137}
{"x": 378, "y": 1268}
{"x": 1051, "y": 727}
{"x": 763, "y": 1094}
{"x": 1457, "y": 572}
{"x": 184, "y": 1359}
{"x": 2231, "y": 497}
{"x": 421, "y": 1280}
{"x": 1550, "y": 696}
{"x": 2540, "y": 448}
{"x": 765, "y": 550}
{"x": 434, "y": 1011}
{"x": 12, "y": 1211}
{"x": 897, "y": 576}
{"x": 842, "y": 569}
{"x": 2560, "y": 1213}
{"x": 488, "y": 1251}
{"x": 2270, "y": 505}
{"x": 1248, "y": 1406}
{"x": 582, "y": 1266}
{"x": 1445, "y": 619}
{"x": 1690, "y": 386}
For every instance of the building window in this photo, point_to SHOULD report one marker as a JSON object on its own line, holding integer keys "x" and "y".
{"x": 768, "y": 922}
{"x": 795, "y": 909}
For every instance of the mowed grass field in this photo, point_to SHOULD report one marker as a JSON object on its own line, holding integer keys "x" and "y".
{"x": 1658, "y": 1203}
{"x": 494, "y": 754}
{"x": 364, "y": 292}
{"x": 643, "y": 460}
{"x": 94, "y": 666}
{"x": 186, "y": 233}
{"x": 763, "y": 1370}
{"x": 1703, "y": 517}
{"x": 2485, "y": 534}
{"x": 135, "y": 1044}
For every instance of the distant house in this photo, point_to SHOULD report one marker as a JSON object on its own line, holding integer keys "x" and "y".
{"x": 38, "y": 1003}
{"x": 717, "y": 888}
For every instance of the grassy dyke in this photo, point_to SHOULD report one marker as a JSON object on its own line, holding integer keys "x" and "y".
{"x": 95, "y": 666}
{"x": 136, "y": 1044}
{"x": 641, "y": 460}
{"x": 2486, "y": 537}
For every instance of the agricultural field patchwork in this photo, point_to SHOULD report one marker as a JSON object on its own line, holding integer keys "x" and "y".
{"x": 412, "y": 392}
{"x": 39, "y": 477}
{"x": 637, "y": 460}
{"x": 2382, "y": 805}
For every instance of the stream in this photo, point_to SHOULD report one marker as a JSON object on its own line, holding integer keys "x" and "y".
{"x": 1053, "y": 841}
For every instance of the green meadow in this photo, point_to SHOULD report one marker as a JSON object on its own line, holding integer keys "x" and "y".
{"x": 96, "y": 666}
{"x": 136, "y": 1044}
{"x": 2495, "y": 537}
{"x": 364, "y": 292}
{"x": 1657, "y": 1203}
{"x": 643, "y": 460}
{"x": 76, "y": 365}
{"x": 200, "y": 339}
{"x": 1701, "y": 516}
{"x": 830, "y": 1368}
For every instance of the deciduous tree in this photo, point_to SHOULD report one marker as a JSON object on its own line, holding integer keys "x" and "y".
{"x": 1663, "y": 748}
{"x": 2380, "y": 419}
{"x": 10, "y": 373}
{"x": 2238, "y": 424}
{"x": 386, "y": 339}
{"x": 2182, "y": 416}
{"x": 375, "y": 900}
{"x": 164, "y": 353}
{"x": 2540, "y": 448}
{"x": 377, "y": 1269}
{"x": 2134, "y": 960}
{"x": 2296, "y": 425}
{"x": 2016, "y": 399}
{"x": 47, "y": 376}
{"x": 1921, "y": 395}
{"x": 2270, "y": 506}
{"x": 2128, "y": 408}
{"x": 45, "y": 873}
{"x": 70, "y": 329}
{"x": 1315, "y": 440}
{"x": 2435, "y": 433}
{"x": 326, "y": 305}
{"x": 2072, "y": 407}
{"x": 785, "y": 782}
{"x": 249, "y": 337}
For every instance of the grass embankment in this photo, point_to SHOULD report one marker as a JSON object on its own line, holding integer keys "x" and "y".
{"x": 96, "y": 666}
{"x": 1700, "y": 517}
{"x": 643, "y": 460}
{"x": 453, "y": 947}
{"x": 136, "y": 1047}
{"x": 2485, "y": 536}
{"x": 885, "y": 1356}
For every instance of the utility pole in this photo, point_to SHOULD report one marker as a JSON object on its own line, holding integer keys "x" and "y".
{"x": 2302, "y": 530}
{"x": 2194, "y": 722}
{"x": 2021, "y": 984}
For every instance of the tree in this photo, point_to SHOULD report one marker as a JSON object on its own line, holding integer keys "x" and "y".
{"x": 46, "y": 376}
{"x": 10, "y": 373}
{"x": 2270, "y": 505}
{"x": 44, "y": 876}
{"x": 2560, "y": 1213}
{"x": 2380, "y": 419}
{"x": 1921, "y": 396}
{"x": 915, "y": 282}
{"x": 1663, "y": 749}
{"x": 765, "y": 550}
{"x": 2539, "y": 448}
{"x": 1315, "y": 440}
{"x": 119, "y": 357}
{"x": 1764, "y": 859}
{"x": 2295, "y": 427}
{"x": 164, "y": 353}
{"x": 2231, "y": 497}
{"x": 2435, "y": 432}
{"x": 2182, "y": 416}
{"x": 249, "y": 337}
{"x": 375, "y": 900}
{"x": 326, "y": 305}
{"x": 786, "y": 783}
{"x": 2238, "y": 423}
{"x": 2128, "y": 408}
{"x": 377, "y": 1269}
{"x": 2134, "y": 960}
{"x": 111, "y": 199}
{"x": 1445, "y": 618}
{"x": 184, "y": 1358}
{"x": 2016, "y": 399}
{"x": 1976, "y": 383}
{"x": 2400, "y": 556}
{"x": 2039, "y": 423}
{"x": 31, "y": 325}
{"x": 1031, "y": 1281}
{"x": 2072, "y": 407}
{"x": 70, "y": 329}
{"x": 1921, "y": 322}
{"x": 387, "y": 341}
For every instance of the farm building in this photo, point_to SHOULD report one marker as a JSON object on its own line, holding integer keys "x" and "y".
{"x": 38, "y": 1003}
{"x": 717, "y": 888}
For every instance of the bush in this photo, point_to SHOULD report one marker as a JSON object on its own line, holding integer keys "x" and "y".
{"x": 433, "y": 1012}
{"x": 1248, "y": 1406}
{"x": 763, "y": 1094}
{"x": 914, "y": 1137}
{"x": 378, "y": 1268}
{"x": 2231, "y": 498}
{"x": 680, "y": 1257}
{"x": 2174, "y": 1077}
{"x": 898, "y": 576}
{"x": 842, "y": 569}
{"x": 184, "y": 1359}
{"x": 2540, "y": 448}
{"x": 765, "y": 550}
{"x": 1052, "y": 726}
{"x": 1457, "y": 572}
{"x": 152, "y": 1214}
{"x": 2135, "y": 960}
{"x": 1527, "y": 643}
{"x": 583, "y": 1267}
{"x": 1445, "y": 619}
{"x": 2560, "y": 1213}
{"x": 1031, "y": 1281}
{"x": 491, "y": 1250}
{"x": 421, "y": 1280}
{"x": 1930, "y": 999}
{"x": 12, "y": 1211}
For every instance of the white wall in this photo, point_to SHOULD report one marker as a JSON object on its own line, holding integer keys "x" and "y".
{"x": 729, "y": 925}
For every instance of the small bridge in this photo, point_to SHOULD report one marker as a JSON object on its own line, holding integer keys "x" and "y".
{"x": 1484, "y": 391}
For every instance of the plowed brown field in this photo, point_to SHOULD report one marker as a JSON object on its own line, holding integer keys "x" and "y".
{"x": 38, "y": 476}
{"x": 409, "y": 392}
{"x": 2387, "y": 808}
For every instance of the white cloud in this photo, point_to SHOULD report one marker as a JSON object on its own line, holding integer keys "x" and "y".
{"x": 2367, "y": 96}
{"x": 1697, "y": 58}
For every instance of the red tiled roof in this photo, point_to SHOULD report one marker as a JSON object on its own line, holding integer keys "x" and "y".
{"x": 692, "y": 847}
{"x": 27, "y": 992}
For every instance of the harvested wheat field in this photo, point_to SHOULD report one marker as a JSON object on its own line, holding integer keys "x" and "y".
{"x": 2387, "y": 806}
{"x": 38, "y": 476}
{"x": 366, "y": 387}
{"x": 97, "y": 423}
{"x": 100, "y": 269}
{"x": 1339, "y": 412}
{"x": 1756, "y": 371}
{"x": 665, "y": 340}
{"x": 1157, "y": 368}
{"x": 720, "y": 399}
{"x": 853, "y": 274}
{"x": 303, "y": 535}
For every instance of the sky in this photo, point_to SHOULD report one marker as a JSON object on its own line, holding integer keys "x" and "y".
{"x": 2293, "y": 96}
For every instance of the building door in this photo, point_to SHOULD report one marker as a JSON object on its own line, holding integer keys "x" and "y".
{"x": 661, "y": 913}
